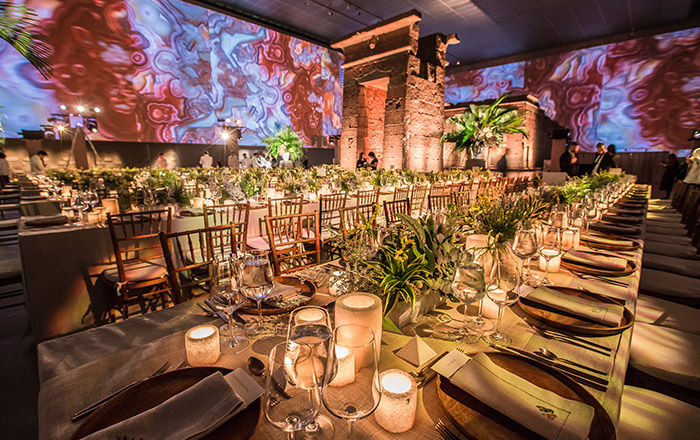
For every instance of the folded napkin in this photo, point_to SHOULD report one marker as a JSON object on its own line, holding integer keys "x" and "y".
{"x": 631, "y": 212}
{"x": 607, "y": 314}
{"x": 595, "y": 260}
{"x": 537, "y": 409}
{"x": 609, "y": 241}
{"x": 48, "y": 220}
{"x": 617, "y": 229}
{"x": 282, "y": 291}
{"x": 621, "y": 218}
{"x": 192, "y": 413}
{"x": 192, "y": 212}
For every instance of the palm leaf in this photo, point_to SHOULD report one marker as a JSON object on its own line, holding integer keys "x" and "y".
{"x": 16, "y": 27}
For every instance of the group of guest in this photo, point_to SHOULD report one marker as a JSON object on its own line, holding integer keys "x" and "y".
{"x": 604, "y": 159}
{"x": 371, "y": 162}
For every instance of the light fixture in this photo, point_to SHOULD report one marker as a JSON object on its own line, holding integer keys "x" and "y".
{"x": 60, "y": 128}
{"x": 94, "y": 130}
{"x": 80, "y": 108}
{"x": 97, "y": 109}
{"x": 225, "y": 135}
{"x": 373, "y": 42}
{"x": 63, "y": 107}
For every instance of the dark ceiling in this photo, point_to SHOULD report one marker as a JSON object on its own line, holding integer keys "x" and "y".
{"x": 488, "y": 29}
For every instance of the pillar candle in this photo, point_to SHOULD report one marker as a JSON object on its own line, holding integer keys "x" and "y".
{"x": 309, "y": 316}
{"x": 93, "y": 217}
{"x": 397, "y": 408}
{"x": 554, "y": 262}
{"x": 346, "y": 367}
{"x": 111, "y": 206}
{"x": 361, "y": 309}
{"x": 202, "y": 345}
{"x": 197, "y": 202}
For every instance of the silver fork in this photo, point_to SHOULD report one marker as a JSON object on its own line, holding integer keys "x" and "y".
{"x": 444, "y": 431}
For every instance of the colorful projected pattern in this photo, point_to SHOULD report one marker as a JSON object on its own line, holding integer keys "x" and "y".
{"x": 639, "y": 94}
{"x": 166, "y": 70}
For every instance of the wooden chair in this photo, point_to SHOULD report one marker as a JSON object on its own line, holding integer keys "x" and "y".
{"x": 438, "y": 203}
{"x": 418, "y": 195}
{"x": 295, "y": 241}
{"x": 438, "y": 189}
{"x": 367, "y": 197}
{"x": 462, "y": 199}
{"x": 189, "y": 256}
{"x": 351, "y": 218}
{"x": 235, "y": 216}
{"x": 330, "y": 206}
{"x": 401, "y": 193}
{"x": 391, "y": 208}
{"x": 139, "y": 277}
{"x": 275, "y": 208}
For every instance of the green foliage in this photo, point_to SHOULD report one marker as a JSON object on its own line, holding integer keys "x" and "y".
{"x": 483, "y": 126}
{"x": 286, "y": 140}
{"x": 500, "y": 219}
{"x": 17, "y": 25}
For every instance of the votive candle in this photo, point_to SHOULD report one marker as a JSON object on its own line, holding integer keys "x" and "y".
{"x": 111, "y": 206}
{"x": 202, "y": 345}
{"x": 346, "y": 367}
{"x": 554, "y": 261}
{"x": 197, "y": 202}
{"x": 397, "y": 407}
{"x": 309, "y": 316}
{"x": 361, "y": 309}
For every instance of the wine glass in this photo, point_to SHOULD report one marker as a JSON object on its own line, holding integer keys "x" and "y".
{"x": 591, "y": 212}
{"x": 503, "y": 293}
{"x": 293, "y": 393}
{"x": 256, "y": 283}
{"x": 311, "y": 325}
{"x": 468, "y": 286}
{"x": 78, "y": 204}
{"x": 92, "y": 199}
{"x": 226, "y": 296}
{"x": 550, "y": 247}
{"x": 354, "y": 392}
{"x": 524, "y": 247}
{"x": 558, "y": 218}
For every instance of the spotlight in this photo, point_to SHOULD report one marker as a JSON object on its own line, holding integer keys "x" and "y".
{"x": 94, "y": 130}
{"x": 225, "y": 135}
{"x": 80, "y": 108}
{"x": 228, "y": 121}
{"x": 60, "y": 128}
{"x": 97, "y": 110}
{"x": 63, "y": 107}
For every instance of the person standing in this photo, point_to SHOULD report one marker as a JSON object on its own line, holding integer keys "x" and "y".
{"x": 206, "y": 161}
{"x": 671, "y": 170}
{"x": 37, "y": 163}
{"x": 568, "y": 161}
{"x": 693, "y": 176}
{"x": 161, "y": 161}
{"x": 361, "y": 161}
{"x": 4, "y": 169}
{"x": 608, "y": 160}
{"x": 600, "y": 152}
{"x": 373, "y": 161}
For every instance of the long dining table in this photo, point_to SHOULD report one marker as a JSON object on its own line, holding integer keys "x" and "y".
{"x": 77, "y": 369}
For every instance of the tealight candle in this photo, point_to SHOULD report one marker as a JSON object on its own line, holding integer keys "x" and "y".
{"x": 397, "y": 408}
{"x": 554, "y": 261}
{"x": 202, "y": 345}
{"x": 570, "y": 238}
{"x": 43, "y": 193}
{"x": 346, "y": 367}
{"x": 93, "y": 217}
{"x": 197, "y": 202}
{"x": 361, "y": 309}
{"x": 309, "y": 316}
{"x": 111, "y": 206}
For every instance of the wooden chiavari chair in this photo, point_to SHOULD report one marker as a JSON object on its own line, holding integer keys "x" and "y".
{"x": 275, "y": 208}
{"x": 367, "y": 197}
{"x": 330, "y": 206}
{"x": 236, "y": 216}
{"x": 418, "y": 195}
{"x": 391, "y": 208}
{"x": 353, "y": 217}
{"x": 401, "y": 193}
{"x": 462, "y": 199}
{"x": 437, "y": 189}
{"x": 290, "y": 238}
{"x": 189, "y": 256}
{"x": 438, "y": 203}
{"x": 139, "y": 277}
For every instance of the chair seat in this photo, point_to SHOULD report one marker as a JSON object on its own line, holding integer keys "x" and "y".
{"x": 258, "y": 243}
{"x": 8, "y": 224}
{"x": 676, "y": 240}
{"x": 670, "y": 249}
{"x": 666, "y": 229}
{"x": 680, "y": 266}
{"x": 665, "y": 216}
{"x": 137, "y": 272}
{"x": 648, "y": 415}
{"x": 667, "y": 354}
{"x": 658, "y": 282}
{"x": 669, "y": 314}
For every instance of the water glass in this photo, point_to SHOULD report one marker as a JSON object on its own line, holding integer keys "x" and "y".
{"x": 468, "y": 286}
{"x": 550, "y": 247}
{"x": 257, "y": 281}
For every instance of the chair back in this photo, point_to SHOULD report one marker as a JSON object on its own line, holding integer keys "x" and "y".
{"x": 355, "y": 216}
{"x": 367, "y": 197}
{"x": 438, "y": 189}
{"x": 236, "y": 216}
{"x": 135, "y": 236}
{"x": 401, "y": 193}
{"x": 462, "y": 199}
{"x": 295, "y": 241}
{"x": 418, "y": 194}
{"x": 189, "y": 256}
{"x": 330, "y": 205}
{"x": 438, "y": 203}
{"x": 391, "y": 208}
{"x": 285, "y": 206}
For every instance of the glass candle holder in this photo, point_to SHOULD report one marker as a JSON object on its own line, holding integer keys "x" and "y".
{"x": 346, "y": 367}
{"x": 397, "y": 408}
{"x": 202, "y": 345}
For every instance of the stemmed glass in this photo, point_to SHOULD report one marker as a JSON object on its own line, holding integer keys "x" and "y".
{"x": 257, "y": 281}
{"x": 78, "y": 204}
{"x": 354, "y": 393}
{"x": 226, "y": 296}
{"x": 293, "y": 392}
{"x": 92, "y": 199}
{"x": 550, "y": 247}
{"x": 558, "y": 218}
{"x": 591, "y": 212}
{"x": 503, "y": 293}
{"x": 524, "y": 247}
{"x": 468, "y": 286}
{"x": 311, "y": 325}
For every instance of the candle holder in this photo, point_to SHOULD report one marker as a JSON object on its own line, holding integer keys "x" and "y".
{"x": 397, "y": 408}
{"x": 361, "y": 309}
{"x": 202, "y": 345}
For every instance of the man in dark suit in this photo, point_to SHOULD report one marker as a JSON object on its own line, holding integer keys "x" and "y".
{"x": 568, "y": 161}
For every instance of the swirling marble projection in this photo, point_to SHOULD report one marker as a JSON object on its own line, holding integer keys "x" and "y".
{"x": 642, "y": 94}
{"x": 166, "y": 71}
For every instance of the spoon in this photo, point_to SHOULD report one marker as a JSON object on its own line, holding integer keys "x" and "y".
{"x": 553, "y": 357}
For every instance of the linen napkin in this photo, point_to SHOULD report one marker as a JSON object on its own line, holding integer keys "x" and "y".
{"x": 616, "y": 229}
{"x": 539, "y": 410}
{"x": 621, "y": 218}
{"x": 607, "y": 314}
{"x": 595, "y": 260}
{"x": 609, "y": 241}
{"x": 46, "y": 220}
{"x": 192, "y": 413}
{"x": 624, "y": 211}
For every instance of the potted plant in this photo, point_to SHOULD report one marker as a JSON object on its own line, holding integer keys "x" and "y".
{"x": 286, "y": 141}
{"x": 482, "y": 127}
